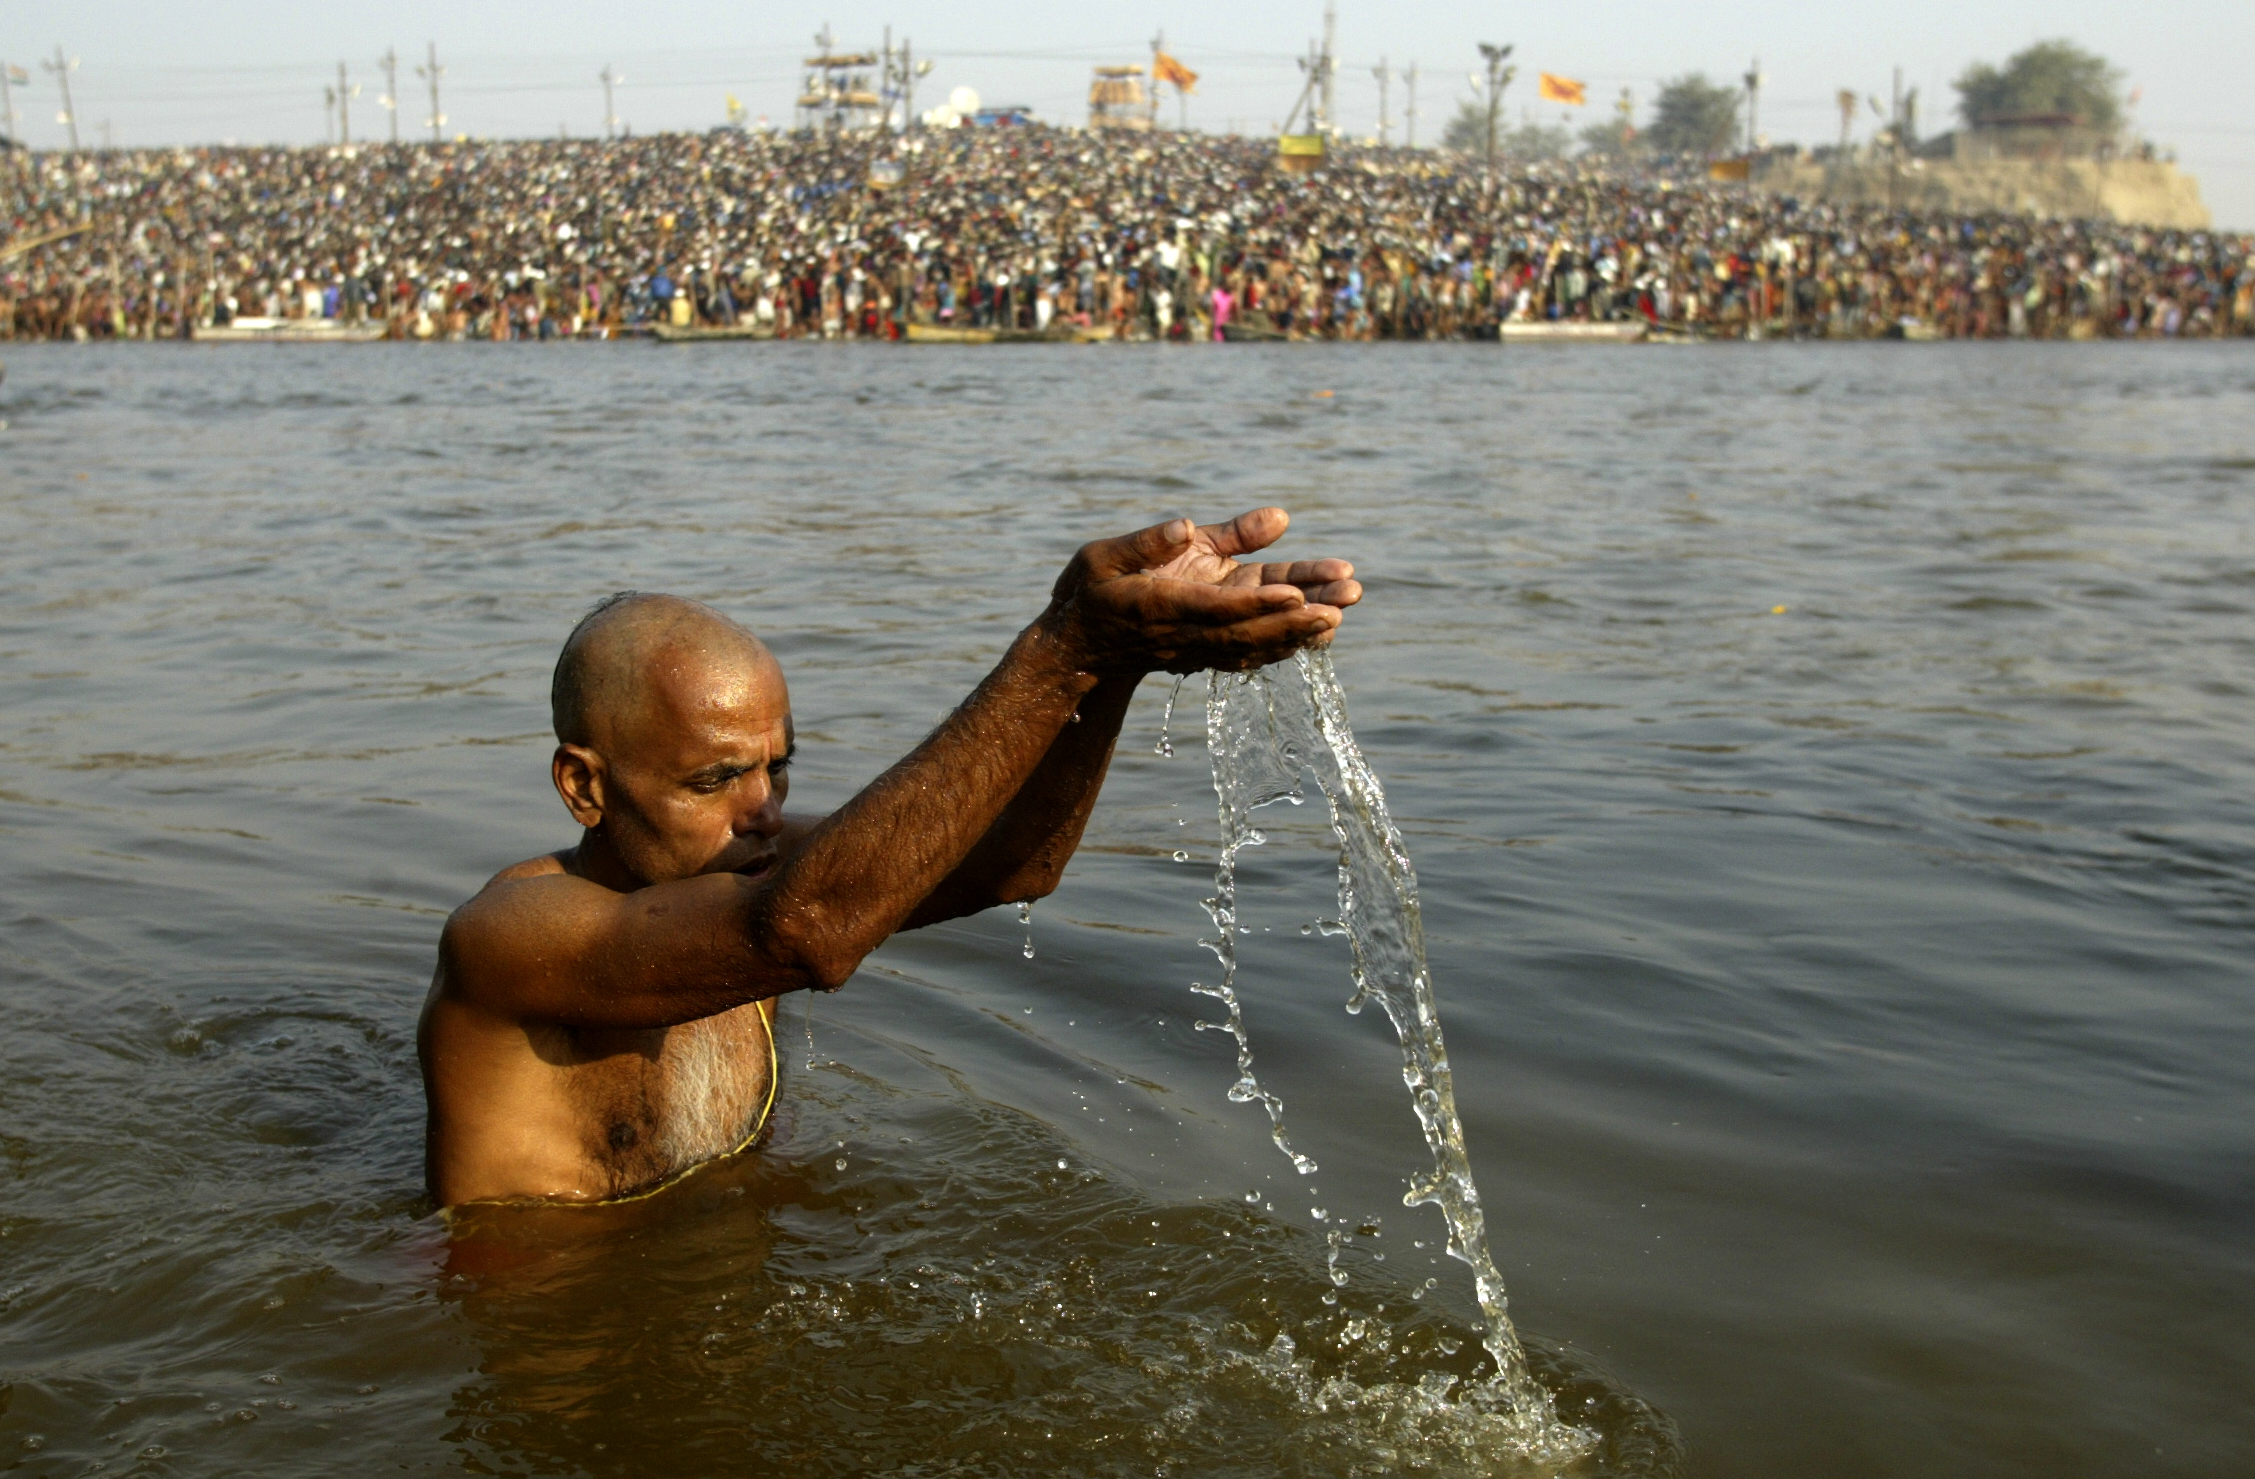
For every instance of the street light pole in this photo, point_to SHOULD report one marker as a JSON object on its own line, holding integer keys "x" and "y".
{"x": 1753, "y": 106}
{"x": 390, "y": 64}
{"x": 1499, "y": 78}
{"x": 431, "y": 74}
{"x": 62, "y": 70}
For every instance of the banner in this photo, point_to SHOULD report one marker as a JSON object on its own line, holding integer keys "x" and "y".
{"x": 1165, "y": 68}
{"x": 1555, "y": 89}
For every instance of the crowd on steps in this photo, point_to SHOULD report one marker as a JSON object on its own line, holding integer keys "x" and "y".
{"x": 1036, "y": 231}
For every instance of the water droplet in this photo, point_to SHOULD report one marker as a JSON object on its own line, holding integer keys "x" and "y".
{"x": 841, "y": 1163}
{"x": 1165, "y": 746}
{"x": 1180, "y": 856}
{"x": 1061, "y": 1166}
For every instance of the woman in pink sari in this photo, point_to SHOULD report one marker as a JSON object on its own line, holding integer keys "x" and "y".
{"x": 1224, "y": 304}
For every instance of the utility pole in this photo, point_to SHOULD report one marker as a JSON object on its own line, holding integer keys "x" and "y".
{"x": 1330, "y": 66}
{"x": 1847, "y": 101}
{"x": 906, "y": 86}
{"x": 1410, "y": 77}
{"x": 1499, "y": 78}
{"x": 390, "y": 99}
{"x": 1753, "y": 106}
{"x": 8, "y": 75}
{"x": 1158, "y": 46}
{"x": 432, "y": 73}
{"x": 1895, "y": 141}
{"x": 915, "y": 71}
{"x": 62, "y": 70}
{"x": 344, "y": 106}
{"x": 609, "y": 79}
{"x": 1385, "y": 120}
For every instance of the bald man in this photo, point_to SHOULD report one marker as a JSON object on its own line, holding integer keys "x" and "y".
{"x": 601, "y": 1018}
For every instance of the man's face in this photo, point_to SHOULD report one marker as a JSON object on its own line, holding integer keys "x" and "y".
{"x": 693, "y": 781}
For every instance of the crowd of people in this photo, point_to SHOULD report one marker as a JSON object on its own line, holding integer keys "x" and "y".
{"x": 1036, "y": 231}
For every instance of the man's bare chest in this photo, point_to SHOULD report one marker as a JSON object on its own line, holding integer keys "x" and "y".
{"x": 651, "y": 1104}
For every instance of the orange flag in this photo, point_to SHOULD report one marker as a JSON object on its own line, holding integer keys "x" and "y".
{"x": 1165, "y": 68}
{"x": 1556, "y": 89}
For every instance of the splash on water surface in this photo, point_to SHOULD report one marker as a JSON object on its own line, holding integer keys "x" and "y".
{"x": 1264, "y": 731}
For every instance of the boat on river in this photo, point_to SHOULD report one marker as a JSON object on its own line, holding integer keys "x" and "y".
{"x": 688, "y": 334}
{"x": 1542, "y": 331}
{"x": 289, "y": 331}
{"x": 964, "y": 334}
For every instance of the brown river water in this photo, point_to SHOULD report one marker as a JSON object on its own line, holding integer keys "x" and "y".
{"x": 1849, "y": 1004}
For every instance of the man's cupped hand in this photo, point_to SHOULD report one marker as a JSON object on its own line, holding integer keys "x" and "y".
{"x": 1176, "y": 596}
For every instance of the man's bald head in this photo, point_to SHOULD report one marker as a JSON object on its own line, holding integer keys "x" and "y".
{"x": 628, "y": 649}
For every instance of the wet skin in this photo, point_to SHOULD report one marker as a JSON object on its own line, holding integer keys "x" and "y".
{"x": 599, "y": 1020}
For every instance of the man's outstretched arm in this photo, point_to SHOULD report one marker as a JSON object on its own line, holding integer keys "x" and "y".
{"x": 1023, "y": 855}
{"x": 562, "y": 949}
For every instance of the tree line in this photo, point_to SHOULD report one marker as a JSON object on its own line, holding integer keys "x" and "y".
{"x": 1695, "y": 117}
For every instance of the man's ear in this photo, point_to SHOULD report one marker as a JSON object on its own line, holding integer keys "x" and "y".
{"x": 582, "y": 779}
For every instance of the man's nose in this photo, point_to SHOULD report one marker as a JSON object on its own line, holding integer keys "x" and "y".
{"x": 759, "y": 813}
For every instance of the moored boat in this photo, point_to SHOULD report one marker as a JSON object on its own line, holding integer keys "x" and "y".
{"x": 289, "y": 331}
{"x": 688, "y": 334}
{"x": 1541, "y": 331}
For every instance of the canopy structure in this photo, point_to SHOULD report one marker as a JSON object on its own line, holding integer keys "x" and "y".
{"x": 1116, "y": 99}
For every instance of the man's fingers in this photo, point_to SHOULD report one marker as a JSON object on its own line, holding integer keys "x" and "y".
{"x": 1142, "y": 550}
{"x": 1339, "y": 593}
{"x": 1170, "y": 602}
{"x": 1262, "y": 639}
{"x": 1247, "y": 532}
{"x": 1302, "y": 573}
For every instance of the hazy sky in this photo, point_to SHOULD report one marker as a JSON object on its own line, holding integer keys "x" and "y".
{"x": 245, "y": 70}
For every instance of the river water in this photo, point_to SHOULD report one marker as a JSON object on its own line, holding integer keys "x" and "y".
{"x": 1828, "y": 774}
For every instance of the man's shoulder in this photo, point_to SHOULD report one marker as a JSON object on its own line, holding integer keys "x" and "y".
{"x": 520, "y": 913}
{"x": 544, "y": 866}
{"x": 519, "y": 897}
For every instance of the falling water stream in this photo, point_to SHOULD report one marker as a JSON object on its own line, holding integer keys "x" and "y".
{"x": 1264, "y": 730}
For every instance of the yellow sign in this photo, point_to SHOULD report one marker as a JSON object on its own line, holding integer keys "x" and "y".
{"x": 1553, "y": 88}
{"x": 1727, "y": 169}
{"x": 1299, "y": 154}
